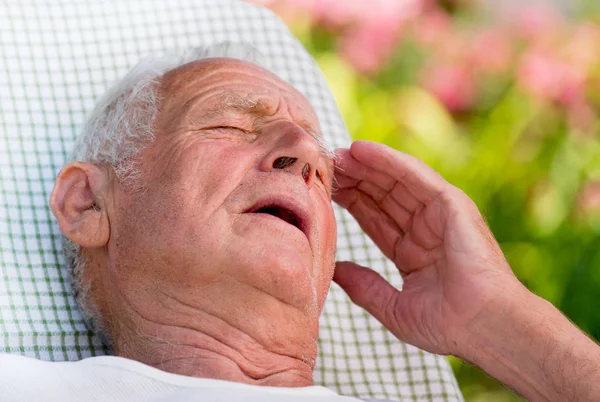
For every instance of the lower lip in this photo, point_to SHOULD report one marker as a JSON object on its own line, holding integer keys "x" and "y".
{"x": 278, "y": 219}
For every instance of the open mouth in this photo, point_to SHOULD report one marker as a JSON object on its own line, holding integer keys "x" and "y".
{"x": 290, "y": 210}
{"x": 281, "y": 213}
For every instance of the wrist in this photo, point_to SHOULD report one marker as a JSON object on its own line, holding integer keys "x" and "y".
{"x": 507, "y": 306}
{"x": 500, "y": 339}
{"x": 525, "y": 342}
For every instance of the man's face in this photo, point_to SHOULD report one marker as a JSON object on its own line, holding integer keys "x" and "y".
{"x": 235, "y": 217}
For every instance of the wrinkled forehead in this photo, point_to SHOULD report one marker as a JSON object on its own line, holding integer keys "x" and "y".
{"x": 224, "y": 82}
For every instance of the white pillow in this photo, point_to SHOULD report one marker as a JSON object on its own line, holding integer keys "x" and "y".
{"x": 57, "y": 58}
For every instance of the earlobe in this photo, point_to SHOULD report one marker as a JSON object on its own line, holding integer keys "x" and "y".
{"x": 78, "y": 203}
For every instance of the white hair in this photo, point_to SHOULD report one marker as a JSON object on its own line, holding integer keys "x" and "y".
{"x": 119, "y": 127}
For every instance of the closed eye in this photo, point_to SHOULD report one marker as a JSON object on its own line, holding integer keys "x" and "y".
{"x": 228, "y": 128}
{"x": 235, "y": 131}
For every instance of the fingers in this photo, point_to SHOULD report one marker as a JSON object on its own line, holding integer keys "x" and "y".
{"x": 351, "y": 167}
{"x": 380, "y": 227}
{"x": 399, "y": 211}
{"x": 391, "y": 196}
{"x": 367, "y": 289}
{"x": 380, "y": 164}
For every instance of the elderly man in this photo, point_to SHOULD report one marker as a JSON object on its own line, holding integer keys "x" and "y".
{"x": 202, "y": 242}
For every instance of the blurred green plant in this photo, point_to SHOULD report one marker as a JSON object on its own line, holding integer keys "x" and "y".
{"x": 503, "y": 102}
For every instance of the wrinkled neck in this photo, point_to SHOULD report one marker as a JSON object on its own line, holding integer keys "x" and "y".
{"x": 210, "y": 360}
{"x": 277, "y": 348}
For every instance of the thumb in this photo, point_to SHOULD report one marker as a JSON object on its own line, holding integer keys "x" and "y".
{"x": 367, "y": 289}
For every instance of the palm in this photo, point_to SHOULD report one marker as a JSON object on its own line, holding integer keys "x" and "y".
{"x": 431, "y": 231}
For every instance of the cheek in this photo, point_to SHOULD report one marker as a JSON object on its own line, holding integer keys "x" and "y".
{"x": 160, "y": 250}
{"x": 328, "y": 231}
{"x": 206, "y": 175}
{"x": 328, "y": 238}
{"x": 177, "y": 222}
{"x": 200, "y": 164}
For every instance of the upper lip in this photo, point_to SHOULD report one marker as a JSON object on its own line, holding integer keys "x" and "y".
{"x": 287, "y": 205}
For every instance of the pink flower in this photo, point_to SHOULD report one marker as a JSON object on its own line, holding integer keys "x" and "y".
{"x": 453, "y": 85}
{"x": 369, "y": 30}
{"x": 491, "y": 50}
{"x": 369, "y": 46}
{"x": 342, "y": 13}
{"x": 334, "y": 13}
{"x": 432, "y": 28}
{"x": 537, "y": 23}
{"x": 378, "y": 24}
{"x": 549, "y": 78}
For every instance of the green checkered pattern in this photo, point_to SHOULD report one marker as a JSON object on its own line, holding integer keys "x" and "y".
{"x": 56, "y": 58}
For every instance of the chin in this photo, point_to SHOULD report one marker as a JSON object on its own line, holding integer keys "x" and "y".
{"x": 287, "y": 275}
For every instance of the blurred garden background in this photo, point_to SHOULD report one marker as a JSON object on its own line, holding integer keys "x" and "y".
{"x": 501, "y": 97}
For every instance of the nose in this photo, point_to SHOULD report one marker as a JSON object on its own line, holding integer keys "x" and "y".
{"x": 294, "y": 151}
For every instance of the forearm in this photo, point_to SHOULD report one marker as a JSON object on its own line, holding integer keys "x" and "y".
{"x": 531, "y": 347}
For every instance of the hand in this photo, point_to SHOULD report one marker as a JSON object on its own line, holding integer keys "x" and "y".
{"x": 453, "y": 269}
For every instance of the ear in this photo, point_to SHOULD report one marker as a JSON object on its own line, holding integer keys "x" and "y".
{"x": 78, "y": 203}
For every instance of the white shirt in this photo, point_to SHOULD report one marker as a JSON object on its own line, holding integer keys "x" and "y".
{"x": 111, "y": 378}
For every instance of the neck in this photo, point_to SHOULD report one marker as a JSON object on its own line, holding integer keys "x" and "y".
{"x": 272, "y": 346}
{"x": 207, "y": 357}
